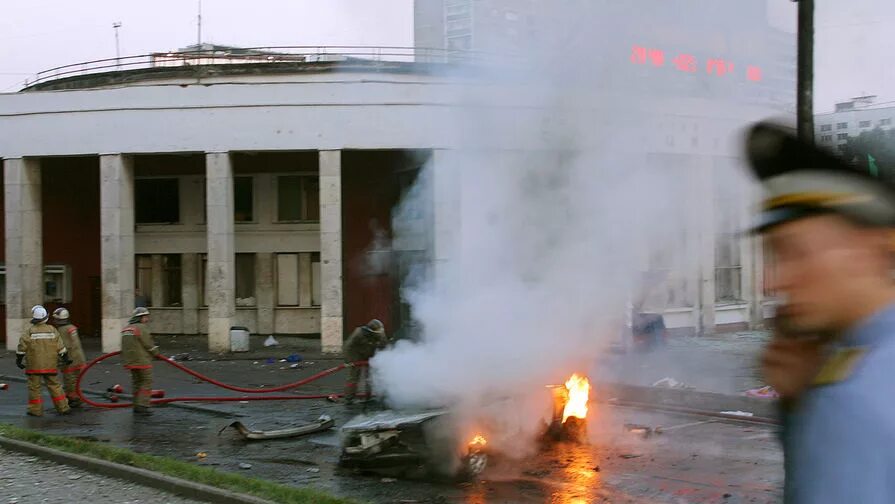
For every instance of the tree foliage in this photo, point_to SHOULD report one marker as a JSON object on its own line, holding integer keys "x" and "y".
{"x": 878, "y": 144}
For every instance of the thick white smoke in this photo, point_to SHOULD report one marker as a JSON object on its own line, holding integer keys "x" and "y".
{"x": 536, "y": 251}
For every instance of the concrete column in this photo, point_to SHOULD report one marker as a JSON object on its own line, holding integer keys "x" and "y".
{"x": 706, "y": 223}
{"x": 305, "y": 294}
{"x": 189, "y": 274}
{"x": 446, "y": 209}
{"x": 24, "y": 244}
{"x": 158, "y": 286}
{"x": 117, "y": 245}
{"x": 265, "y": 291}
{"x": 331, "y": 322}
{"x": 220, "y": 283}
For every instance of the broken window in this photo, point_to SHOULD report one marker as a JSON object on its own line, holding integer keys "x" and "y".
{"x": 143, "y": 280}
{"x": 243, "y": 199}
{"x": 157, "y": 201}
{"x": 729, "y": 214}
{"x": 171, "y": 280}
{"x": 245, "y": 279}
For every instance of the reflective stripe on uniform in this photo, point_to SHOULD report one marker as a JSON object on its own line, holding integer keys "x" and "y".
{"x": 20, "y": 353}
{"x": 72, "y": 330}
{"x": 42, "y": 335}
{"x": 41, "y": 371}
{"x": 144, "y": 392}
{"x": 35, "y": 401}
{"x": 59, "y": 398}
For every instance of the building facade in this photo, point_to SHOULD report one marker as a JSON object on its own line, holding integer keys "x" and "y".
{"x": 850, "y": 119}
{"x": 260, "y": 194}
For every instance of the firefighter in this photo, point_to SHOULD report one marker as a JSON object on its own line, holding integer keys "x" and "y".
{"x": 830, "y": 228}
{"x": 137, "y": 351}
{"x": 72, "y": 341}
{"x": 42, "y": 350}
{"x": 362, "y": 345}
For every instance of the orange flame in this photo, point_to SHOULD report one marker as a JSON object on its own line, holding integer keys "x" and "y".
{"x": 578, "y": 388}
{"x": 478, "y": 441}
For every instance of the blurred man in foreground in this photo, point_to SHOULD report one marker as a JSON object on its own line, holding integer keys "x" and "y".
{"x": 832, "y": 358}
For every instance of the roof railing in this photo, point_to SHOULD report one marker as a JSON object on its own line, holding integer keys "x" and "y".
{"x": 261, "y": 55}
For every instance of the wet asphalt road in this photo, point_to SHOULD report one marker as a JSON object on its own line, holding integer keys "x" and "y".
{"x": 702, "y": 462}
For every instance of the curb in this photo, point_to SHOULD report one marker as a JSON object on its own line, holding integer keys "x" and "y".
{"x": 764, "y": 410}
{"x": 142, "y": 477}
{"x": 192, "y": 407}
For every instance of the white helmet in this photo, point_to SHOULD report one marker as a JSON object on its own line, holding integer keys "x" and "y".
{"x": 38, "y": 312}
{"x": 61, "y": 314}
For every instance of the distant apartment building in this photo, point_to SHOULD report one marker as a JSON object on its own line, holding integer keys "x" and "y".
{"x": 851, "y": 118}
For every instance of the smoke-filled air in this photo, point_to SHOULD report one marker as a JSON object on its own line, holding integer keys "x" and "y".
{"x": 536, "y": 255}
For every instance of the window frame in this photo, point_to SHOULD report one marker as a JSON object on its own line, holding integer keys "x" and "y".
{"x": 254, "y": 205}
{"x": 179, "y": 189}
{"x": 304, "y": 210}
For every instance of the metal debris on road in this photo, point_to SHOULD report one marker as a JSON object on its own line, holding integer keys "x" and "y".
{"x": 313, "y": 470}
{"x": 388, "y": 480}
{"x": 662, "y": 430}
{"x": 641, "y": 430}
{"x": 737, "y": 413}
{"x": 323, "y": 423}
{"x": 243, "y": 465}
{"x": 630, "y": 455}
{"x": 201, "y": 455}
{"x": 4, "y": 386}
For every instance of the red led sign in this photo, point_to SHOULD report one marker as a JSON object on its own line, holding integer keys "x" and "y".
{"x": 688, "y": 63}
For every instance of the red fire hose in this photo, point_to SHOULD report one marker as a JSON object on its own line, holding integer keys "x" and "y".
{"x": 204, "y": 378}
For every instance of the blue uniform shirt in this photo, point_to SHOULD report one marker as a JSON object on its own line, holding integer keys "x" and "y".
{"x": 840, "y": 438}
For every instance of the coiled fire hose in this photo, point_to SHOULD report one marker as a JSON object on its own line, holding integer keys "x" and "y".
{"x": 246, "y": 390}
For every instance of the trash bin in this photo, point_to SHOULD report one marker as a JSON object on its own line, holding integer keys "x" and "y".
{"x": 239, "y": 339}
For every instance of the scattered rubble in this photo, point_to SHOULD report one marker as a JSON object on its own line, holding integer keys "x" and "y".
{"x": 671, "y": 383}
{"x": 630, "y": 455}
{"x": 766, "y": 392}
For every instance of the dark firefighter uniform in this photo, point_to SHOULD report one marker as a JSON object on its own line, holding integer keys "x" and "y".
{"x": 837, "y": 435}
{"x": 72, "y": 341}
{"x": 42, "y": 348}
{"x": 362, "y": 345}
{"x": 137, "y": 352}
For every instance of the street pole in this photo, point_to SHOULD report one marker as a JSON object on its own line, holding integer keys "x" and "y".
{"x": 116, "y": 25}
{"x": 805, "y": 72}
{"x": 199, "y": 27}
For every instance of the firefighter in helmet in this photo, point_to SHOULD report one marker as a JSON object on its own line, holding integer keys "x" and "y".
{"x": 362, "y": 345}
{"x": 137, "y": 351}
{"x": 41, "y": 348}
{"x": 72, "y": 341}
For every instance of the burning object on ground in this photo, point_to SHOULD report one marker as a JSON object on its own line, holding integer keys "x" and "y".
{"x": 570, "y": 404}
{"x": 415, "y": 444}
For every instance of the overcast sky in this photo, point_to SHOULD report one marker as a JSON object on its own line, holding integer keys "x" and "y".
{"x": 853, "y": 54}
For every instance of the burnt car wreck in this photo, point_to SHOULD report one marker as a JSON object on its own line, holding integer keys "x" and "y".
{"x": 411, "y": 444}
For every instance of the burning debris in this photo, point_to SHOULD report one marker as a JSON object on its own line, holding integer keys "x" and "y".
{"x": 570, "y": 405}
